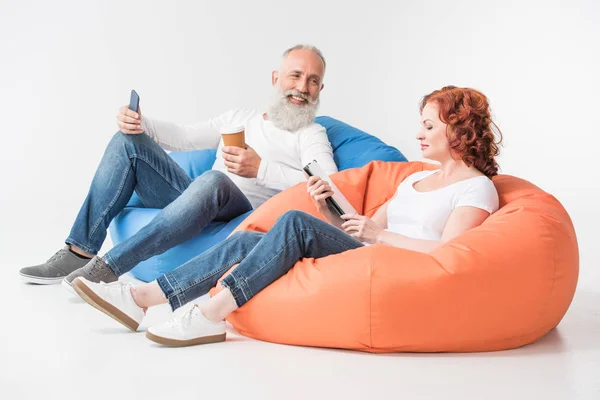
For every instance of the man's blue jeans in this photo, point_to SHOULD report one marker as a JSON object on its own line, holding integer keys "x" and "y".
{"x": 263, "y": 258}
{"x": 137, "y": 163}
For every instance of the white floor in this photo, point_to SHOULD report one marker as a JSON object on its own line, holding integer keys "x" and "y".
{"x": 54, "y": 346}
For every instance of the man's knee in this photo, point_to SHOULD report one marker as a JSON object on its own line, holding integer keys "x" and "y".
{"x": 215, "y": 182}
{"x": 121, "y": 141}
{"x": 216, "y": 179}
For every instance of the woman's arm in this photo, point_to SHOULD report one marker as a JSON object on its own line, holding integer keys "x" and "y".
{"x": 380, "y": 216}
{"x": 461, "y": 220}
{"x": 319, "y": 190}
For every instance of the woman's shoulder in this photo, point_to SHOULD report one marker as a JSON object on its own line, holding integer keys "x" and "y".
{"x": 482, "y": 182}
{"x": 480, "y": 192}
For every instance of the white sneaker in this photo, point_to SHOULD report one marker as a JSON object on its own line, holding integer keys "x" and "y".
{"x": 187, "y": 329}
{"x": 113, "y": 299}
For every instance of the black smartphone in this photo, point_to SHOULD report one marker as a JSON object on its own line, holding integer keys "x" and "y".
{"x": 330, "y": 201}
{"x": 134, "y": 101}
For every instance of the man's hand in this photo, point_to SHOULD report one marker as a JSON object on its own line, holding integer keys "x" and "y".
{"x": 130, "y": 122}
{"x": 242, "y": 162}
{"x": 362, "y": 228}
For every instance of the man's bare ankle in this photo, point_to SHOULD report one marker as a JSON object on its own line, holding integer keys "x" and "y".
{"x": 80, "y": 252}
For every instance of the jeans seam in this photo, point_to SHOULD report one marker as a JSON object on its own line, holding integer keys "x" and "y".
{"x": 301, "y": 231}
{"x": 203, "y": 278}
{"x": 171, "y": 286}
{"x": 165, "y": 285}
{"x": 174, "y": 296}
{"x": 180, "y": 289}
{"x": 111, "y": 204}
{"x": 112, "y": 265}
{"x": 122, "y": 184}
{"x": 230, "y": 198}
{"x": 149, "y": 164}
{"x": 241, "y": 284}
{"x": 236, "y": 288}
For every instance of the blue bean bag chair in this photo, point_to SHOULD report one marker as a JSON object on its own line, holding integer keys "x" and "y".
{"x": 352, "y": 148}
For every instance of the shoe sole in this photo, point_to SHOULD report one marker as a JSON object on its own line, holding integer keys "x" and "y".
{"x": 65, "y": 283}
{"x": 183, "y": 343}
{"x": 41, "y": 281}
{"x": 100, "y": 304}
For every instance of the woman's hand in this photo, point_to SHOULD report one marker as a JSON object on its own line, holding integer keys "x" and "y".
{"x": 362, "y": 228}
{"x": 319, "y": 190}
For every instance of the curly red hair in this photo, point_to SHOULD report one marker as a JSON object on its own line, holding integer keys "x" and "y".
{"x": 472, "y": 132}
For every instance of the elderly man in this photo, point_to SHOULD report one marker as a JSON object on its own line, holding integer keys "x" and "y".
{"x": 279, "y": 142}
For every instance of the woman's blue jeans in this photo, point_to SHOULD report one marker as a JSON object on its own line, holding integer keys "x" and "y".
{"x": 263, "y": 258}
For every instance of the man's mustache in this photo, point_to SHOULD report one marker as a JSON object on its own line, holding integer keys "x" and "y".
{"x": 302, "y": 95}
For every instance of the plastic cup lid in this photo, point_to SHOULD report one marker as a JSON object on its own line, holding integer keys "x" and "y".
{"x": 227, "y": 129}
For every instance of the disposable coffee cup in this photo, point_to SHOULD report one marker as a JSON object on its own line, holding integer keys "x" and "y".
{"x": 233, "y": 136}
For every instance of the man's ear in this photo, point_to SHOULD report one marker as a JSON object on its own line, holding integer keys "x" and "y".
{"x": 322, "y": 86}
{"x": 274, "y": 77}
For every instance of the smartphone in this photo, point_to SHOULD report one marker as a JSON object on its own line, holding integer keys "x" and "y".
{"x": 330, "y": 201}
{"x": 134, "y": 101}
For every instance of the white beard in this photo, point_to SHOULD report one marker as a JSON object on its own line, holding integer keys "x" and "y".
{"x": 289, "y": 116}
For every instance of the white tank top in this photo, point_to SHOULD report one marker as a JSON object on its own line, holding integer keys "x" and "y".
{"x": 423, "y": 215}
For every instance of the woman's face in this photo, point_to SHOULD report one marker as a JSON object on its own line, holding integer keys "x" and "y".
{"x": 432, "y": 135}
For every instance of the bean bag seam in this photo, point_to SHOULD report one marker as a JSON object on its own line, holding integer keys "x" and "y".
{"x": 436, "y": 261}
{"x": 371, "y": 298}
{"x": 545, "y": 304}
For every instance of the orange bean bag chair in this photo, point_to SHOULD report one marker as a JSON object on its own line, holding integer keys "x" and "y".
{"x": 499, "y": 286}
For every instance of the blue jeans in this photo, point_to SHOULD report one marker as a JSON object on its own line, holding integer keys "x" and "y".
{"x": 137, "y": 163}
{"x": 263, "y": 258}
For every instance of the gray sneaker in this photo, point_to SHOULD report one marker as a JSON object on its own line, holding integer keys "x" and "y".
{"x": 96, "y": 270}
{"x": 55, "y": 269}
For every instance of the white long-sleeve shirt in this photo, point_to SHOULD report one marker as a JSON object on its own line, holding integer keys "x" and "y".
{"x": 283, "y": 153}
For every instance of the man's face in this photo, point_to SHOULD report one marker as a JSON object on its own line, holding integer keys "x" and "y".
{"x": 301, "y": 70}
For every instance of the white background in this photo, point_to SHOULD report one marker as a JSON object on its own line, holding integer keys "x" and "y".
{"x": 66, "y": 66}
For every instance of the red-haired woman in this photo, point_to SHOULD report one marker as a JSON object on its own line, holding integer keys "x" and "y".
{"x": 429, "y": 208}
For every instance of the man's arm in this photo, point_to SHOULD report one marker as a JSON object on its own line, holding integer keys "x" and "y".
{"x": 202, "y": 135}
{"x": 314, "y": 146}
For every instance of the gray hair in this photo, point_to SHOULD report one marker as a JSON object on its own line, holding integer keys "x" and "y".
{"x": 306, "y": 47}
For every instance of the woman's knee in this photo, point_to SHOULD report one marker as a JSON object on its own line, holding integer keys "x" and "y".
{"x": 246, "y": 239}
{"x": 246, "y": 235}
{"x": 294, "y": 218}
{"x": 294, "y": 215}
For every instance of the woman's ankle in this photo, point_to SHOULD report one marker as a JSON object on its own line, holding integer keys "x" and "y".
{"x": 138, "y": 299}
{"x": 220, "y": 306}
{"x": 148, "y": 295}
